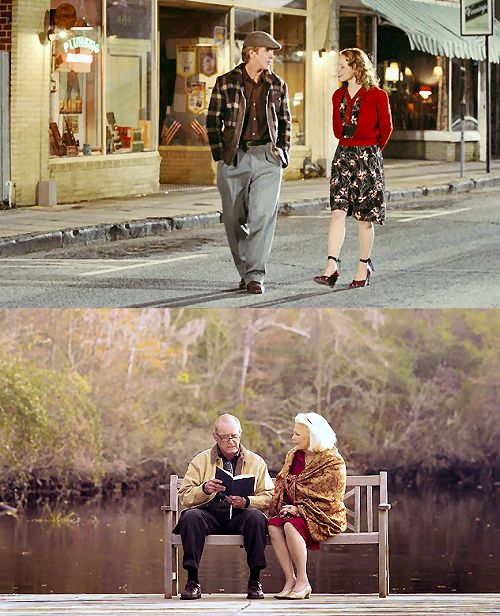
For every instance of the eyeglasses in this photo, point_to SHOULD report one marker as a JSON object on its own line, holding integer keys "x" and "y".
{"x": 228, "y": 437}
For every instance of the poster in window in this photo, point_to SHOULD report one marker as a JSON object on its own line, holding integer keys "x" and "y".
{"x": 186, "y": 60}
{"x": 196, "y": 96}
{"x": 207, "y": 60}
{"x": 219, "y": 36}
{"x": 70, "y": 93}
{"x": 476, "y": 17}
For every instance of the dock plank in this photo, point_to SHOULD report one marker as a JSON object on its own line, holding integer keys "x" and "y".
{"x": 232, "y": 605}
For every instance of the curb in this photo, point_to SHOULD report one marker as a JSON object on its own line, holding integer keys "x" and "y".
{"x": 19, "y": 245}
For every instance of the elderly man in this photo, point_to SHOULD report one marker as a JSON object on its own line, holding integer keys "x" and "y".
{"x": 249, "y": 128}
{"x": 208, "y": 511}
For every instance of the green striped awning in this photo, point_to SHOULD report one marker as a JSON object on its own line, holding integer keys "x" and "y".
{"x": 435, "y": 28}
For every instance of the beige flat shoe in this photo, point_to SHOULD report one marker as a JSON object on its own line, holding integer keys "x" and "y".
{"x": 305, "y": 594}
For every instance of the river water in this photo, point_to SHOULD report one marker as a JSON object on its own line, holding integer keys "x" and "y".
{"x": 440, "y": 541}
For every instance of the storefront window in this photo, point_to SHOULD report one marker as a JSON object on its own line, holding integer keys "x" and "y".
{"x": 245, "y": 22}
{"x": 194, "y": 50}
{"x": 356, "y": 31}
{"x": 289, "y": 63}
{"x": 413, "y": 80}
{"x": 464, "y": 86}
{"x": 75, "y": 83}
{"x": 129, "y": 76}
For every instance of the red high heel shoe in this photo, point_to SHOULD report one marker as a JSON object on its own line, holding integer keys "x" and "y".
{"x": 363, "y": 283}
{"x": 329, "y": 281}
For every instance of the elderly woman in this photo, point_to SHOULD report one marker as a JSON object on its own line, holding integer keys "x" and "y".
{"x": 307, "y": 506}
{"x": 362, "y": 123}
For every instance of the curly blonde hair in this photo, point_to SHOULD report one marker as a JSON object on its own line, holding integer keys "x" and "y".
{"x": 364, "y": 71}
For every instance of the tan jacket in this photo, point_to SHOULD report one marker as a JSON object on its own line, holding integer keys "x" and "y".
{"x": 202, "y": 468}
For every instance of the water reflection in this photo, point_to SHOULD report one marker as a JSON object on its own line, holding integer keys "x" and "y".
{"x": 440, "y": 542}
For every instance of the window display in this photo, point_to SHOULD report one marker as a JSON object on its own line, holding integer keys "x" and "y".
{"x": 289, "y": 64}
{"x": 77, "y": 87}
{"x": 190, "y": 61}
{"x": 129, "y": 71}
{"x": 75, "y": 82}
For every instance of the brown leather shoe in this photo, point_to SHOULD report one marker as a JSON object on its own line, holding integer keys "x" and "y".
{"x": 192, "y": 591}
{"x": 255, "y": 590}
{"x": 256, "y": 287}
{"x": 242, "y": 285}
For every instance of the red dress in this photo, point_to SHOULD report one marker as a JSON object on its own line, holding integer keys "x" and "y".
{"x": 298, "y": 465}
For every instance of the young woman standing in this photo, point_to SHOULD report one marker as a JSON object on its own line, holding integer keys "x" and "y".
{"x": 362, "y": 122}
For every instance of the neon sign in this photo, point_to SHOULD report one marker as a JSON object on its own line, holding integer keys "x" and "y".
{"x": 82, "y": 41}
{"x": 79, "y": 57}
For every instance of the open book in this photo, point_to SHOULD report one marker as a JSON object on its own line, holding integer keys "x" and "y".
{"x": 239, "y": 485}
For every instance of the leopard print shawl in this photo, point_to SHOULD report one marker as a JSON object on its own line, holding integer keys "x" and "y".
{"x": 317, "y": 492}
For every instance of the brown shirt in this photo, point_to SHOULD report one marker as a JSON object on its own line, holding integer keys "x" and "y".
{"x": 255, "y": 125}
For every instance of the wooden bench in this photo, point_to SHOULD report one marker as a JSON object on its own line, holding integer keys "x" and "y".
{"x": 361, "y": 528}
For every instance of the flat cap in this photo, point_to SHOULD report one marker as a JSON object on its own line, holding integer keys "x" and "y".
{"x": 260, "y": 39}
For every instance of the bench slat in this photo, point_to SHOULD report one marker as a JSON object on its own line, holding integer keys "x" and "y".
{"x": 369, "y": 508}
{"x": 342, "y": 539}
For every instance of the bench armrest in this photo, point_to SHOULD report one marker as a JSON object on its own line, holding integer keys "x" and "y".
{"x": 384, "y": 507}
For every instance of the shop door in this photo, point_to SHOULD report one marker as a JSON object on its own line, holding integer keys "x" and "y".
{"x": 194, "y": 50}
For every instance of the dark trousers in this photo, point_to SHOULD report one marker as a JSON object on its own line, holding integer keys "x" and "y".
{"x": 195, "y": 524}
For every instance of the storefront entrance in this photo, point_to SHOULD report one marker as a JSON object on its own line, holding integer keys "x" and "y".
{"x": 195, "y": 47}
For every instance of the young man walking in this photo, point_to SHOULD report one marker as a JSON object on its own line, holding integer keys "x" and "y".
{"x": 249, "y": 131}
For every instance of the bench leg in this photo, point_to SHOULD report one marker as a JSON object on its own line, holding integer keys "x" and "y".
{"x": 383, "y": 554}
{"x": 175, "y": 570}
{"x": 167, "y": 555}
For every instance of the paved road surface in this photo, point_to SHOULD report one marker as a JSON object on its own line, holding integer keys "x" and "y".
{"x": 437, "y": 253}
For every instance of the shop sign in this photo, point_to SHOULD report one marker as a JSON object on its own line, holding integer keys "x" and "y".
{"x": 476, "y": 17}
{"x": 186, "y": 60}
{"x": 65, "y": 16}
{"x": 75, "y": 54}
{"x": 77, "y": 42}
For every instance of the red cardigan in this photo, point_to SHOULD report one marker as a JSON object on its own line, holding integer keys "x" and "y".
{"x": 374, "y": 120}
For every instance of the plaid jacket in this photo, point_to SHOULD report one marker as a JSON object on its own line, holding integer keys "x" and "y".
{"x": 226, "y": 114}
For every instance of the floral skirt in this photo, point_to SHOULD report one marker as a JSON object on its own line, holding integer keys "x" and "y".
{"x": 357, "y": 183}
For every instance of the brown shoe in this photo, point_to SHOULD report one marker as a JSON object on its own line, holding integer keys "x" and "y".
{"x": 256, "y": 287}
{"x": 242, "y": 285}
{"x": 255, "y": 590}
{"x": 192, "y": 591}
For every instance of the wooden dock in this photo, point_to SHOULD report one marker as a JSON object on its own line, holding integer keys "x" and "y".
{"x": 233, "y": 605}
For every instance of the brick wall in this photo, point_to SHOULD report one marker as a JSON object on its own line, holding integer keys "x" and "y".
{"x": 5, "y": 24}
{"x": 29, "y": 112}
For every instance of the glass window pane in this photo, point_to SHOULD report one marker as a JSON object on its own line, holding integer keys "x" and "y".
{"x": 245, "y": 22}
{"x": 414, "y": 81}
{"x": 464, "y": 86}
{"x": 129, "y": 75}
{"x": 289, "y": 64}
{"x": 356, "y": 31}
{"x": 194, "y": 50}
{"x": 75, "y": 83}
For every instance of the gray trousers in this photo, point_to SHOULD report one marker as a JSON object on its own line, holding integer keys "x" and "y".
{"x": 249, "y": 193}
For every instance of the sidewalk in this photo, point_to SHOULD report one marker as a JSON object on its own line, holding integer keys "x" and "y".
{"x": 29, "y": 229}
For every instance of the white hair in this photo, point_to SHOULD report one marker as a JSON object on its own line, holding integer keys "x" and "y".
{"x": 321, "y": 435}
{"x": 226, "y": 417}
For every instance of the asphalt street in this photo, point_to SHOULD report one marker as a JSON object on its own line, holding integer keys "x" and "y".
{"x": 432, "y": 253}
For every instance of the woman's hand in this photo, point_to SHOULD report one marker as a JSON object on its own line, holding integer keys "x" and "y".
{"x": 288, "y": 510}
